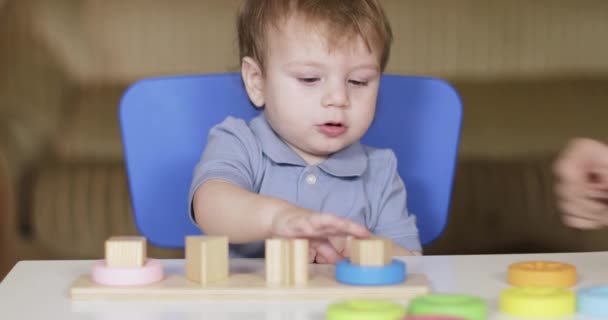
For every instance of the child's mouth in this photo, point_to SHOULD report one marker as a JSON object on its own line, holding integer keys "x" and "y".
{"x": 332, "y": 129}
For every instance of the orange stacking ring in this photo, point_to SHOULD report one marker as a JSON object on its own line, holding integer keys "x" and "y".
{"x": 542, "y": 274}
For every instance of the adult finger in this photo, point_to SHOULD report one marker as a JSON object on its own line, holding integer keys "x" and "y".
{"x": 585, "y": 208}
{"x": 572, "y": 190}
{"x": 580, "y": 158}
{"x": 580, "y": 223}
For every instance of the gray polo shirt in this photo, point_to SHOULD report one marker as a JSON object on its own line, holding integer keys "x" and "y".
{"x": 359, "y": 183}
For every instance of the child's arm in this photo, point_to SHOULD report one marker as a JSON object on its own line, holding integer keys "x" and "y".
{"x": 223, "y": 208}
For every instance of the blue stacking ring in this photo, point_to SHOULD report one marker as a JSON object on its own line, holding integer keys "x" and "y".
{"x": 593, "y": 301}
{"x": 349, "y": 273}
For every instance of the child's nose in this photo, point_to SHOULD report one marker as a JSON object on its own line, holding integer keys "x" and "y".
{"x": 336, "y": 96}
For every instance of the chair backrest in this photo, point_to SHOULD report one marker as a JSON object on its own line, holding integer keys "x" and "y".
{"x": 165, "y": 121}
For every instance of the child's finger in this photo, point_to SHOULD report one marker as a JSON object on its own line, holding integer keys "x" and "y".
{"x": 320, "y": 259}
{"x": 341, "y": 244}
{"x": 327, "y": 253}
{"x": 312, "y": 254}
{"x": 334, "y": 225}
{"x": 303, "y": 229}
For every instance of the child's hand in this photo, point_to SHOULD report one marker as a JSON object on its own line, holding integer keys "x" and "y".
{"x": 343, "y": 245}
{"x": 323, "y": 230}
{"x": 302, "y": 223}
{"x": 582, "y": 183}
{"x": 323, "y": 251}
{"x": 331, "y": 250}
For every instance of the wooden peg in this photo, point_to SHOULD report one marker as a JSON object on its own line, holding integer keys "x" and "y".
{"x": 375, "y": 251}
{"x": 277, "y": 262}
{"x": 286, "y": 262}
{"x": 125, "y": 251}
{"x": 299, "y": 261}
{"x": 206, "y": 259}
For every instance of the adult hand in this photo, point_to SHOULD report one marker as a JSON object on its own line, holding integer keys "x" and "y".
{"x": 582, "y": 183}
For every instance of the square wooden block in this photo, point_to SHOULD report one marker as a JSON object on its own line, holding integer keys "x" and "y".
{"x": 125, "y": 251}
{"x": 206, "y": 259}
{"x": 286, "y": 262}
{"x": 375, "y": 251}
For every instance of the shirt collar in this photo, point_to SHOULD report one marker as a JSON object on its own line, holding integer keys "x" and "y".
{"x": 348, "y": 162}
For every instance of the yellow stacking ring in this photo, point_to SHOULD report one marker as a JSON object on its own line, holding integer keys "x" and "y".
{"x": 537, "y": 302}
{"x": 548, "y": 274}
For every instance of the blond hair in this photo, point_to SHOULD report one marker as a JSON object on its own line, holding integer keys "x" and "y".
{"x": 343, "y": 19}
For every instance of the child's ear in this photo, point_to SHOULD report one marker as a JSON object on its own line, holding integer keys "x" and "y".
{"x": 254, "y": 81}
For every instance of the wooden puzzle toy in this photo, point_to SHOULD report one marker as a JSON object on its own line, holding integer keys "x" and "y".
{"x": 542, "y": 274}
{"x": 452, "y": 305}
{"x": 537, "y": 302}
{"x": 371, "y": 278}
{"x": 284, "y": 273}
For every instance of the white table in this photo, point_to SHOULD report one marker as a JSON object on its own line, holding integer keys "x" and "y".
{"x": 38, "y": 290}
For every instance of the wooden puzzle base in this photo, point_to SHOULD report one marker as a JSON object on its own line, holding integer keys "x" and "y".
{"x": 247, "y": 281}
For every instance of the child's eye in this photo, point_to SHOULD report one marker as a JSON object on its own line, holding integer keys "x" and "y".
{"x": 308, "y": 80}
{"x": 358, "y": 83}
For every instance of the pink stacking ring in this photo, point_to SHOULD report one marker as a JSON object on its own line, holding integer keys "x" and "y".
{"x": 151, "y": 272}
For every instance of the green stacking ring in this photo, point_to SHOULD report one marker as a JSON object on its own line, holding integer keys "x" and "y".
{"x": 455, "y": 305}
{"x": 360, "y": 309}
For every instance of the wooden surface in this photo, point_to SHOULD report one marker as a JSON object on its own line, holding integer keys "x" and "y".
{"x": 247, "y": 281}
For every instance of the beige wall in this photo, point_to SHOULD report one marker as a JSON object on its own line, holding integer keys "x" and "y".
{"x": 116, "y": 40}
{"x": 32, "y": 89}
{"x": 531, "y": 117}
{"x": 531, "y": 73}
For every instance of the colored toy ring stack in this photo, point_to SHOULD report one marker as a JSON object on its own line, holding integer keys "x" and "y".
{"x": 540, "y": 289}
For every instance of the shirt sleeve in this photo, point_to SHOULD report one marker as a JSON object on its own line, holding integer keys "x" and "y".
{"x": 232, "y": 154}
{"x": 394, "y": 221}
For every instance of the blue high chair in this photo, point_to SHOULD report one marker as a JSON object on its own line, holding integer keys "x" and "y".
{"x": 165, "y": 121}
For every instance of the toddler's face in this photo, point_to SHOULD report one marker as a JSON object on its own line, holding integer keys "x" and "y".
{"x": 318, "y": 100}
